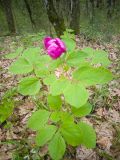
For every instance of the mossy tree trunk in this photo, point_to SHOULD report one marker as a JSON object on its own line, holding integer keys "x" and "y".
{"x": 56, "y": 20}
{"x": 7, "y": 6}
{"x": 109, "y": 6}
{"x": 29, "y": 12}
{"x": 75, "y": 16}
{"x": 92, "y": 11}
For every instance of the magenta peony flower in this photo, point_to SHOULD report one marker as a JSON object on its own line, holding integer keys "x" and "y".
{"x": 54, "y": 46}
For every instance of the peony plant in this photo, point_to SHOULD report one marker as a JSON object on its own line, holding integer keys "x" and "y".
{"x": 64, "y": 74}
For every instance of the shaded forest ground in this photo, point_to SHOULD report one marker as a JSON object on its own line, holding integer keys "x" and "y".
{"x": 17, "y": 142}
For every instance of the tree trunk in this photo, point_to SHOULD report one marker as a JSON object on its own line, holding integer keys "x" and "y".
{"x": 109, "y": 12}
{"x": 29, "y": 12}
{"x": 75, "y": 16}
{"x": 9, "y": 15}
{"x": 54, "y": 18}
{"x": 87, "y": 7}
{"x": 98, "y": 3}
{"x": 93, "y": 11}
{"x": 114, "y": 3}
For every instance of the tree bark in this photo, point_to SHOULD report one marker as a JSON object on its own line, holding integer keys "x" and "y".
{"x": 75, "y": 16}
{"x": 9, "y": 15}
{"x": 109, "y": 12}
{"x": 114, "y": 3}
{"x": 30, "y": 12}
{"x": 93, "y": 11}
{"x": 54, "y": 18}
{"x": 98, "y": 3}
{"x": 87, "y": 7}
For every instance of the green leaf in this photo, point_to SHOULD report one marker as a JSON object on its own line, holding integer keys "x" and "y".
{"x": 42, "y": 73}
{"x": 55, "y": 116}
{"x": 76, "y": 58}
{"x": 10, "y": 93}
{"x": 71, "y": 133}
{"x": 68, "y": 33}
{"x": 53, "y": 64}
{"x": 92, "y": 76}
{"x": 76, "y": 94}
{"x": 6, "y": 109}
{"x": 97, "y": 56}
{"x": 58, "y": 86}
{"x": 88, "y": 135}
{"x": 89, "y": 51}
{"x": 38, "y": 119}
{"x": 21, "y": 66}
{"x": 101, "y": 57}
{"x": 66, "y": 117}
{"x": 61, "y": 115}
{"x": 15, "y": 54}
{"x": 45, "y": 65}
{"x": 32, "y": 54}
{"x": 49, "y": 79}
{"x": 82, "y": 111}
{"x": 45, "y": 134}
{"x": 29, "y": 86}
{"x": 41, "y": 70}
{"x": 54, "y": 102}
{"x": 44, "y": 59}
{"x": 57, "y": 147}
{"x": 70, "y": 44}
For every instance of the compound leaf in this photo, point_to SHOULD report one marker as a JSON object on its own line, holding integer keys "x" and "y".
{"x": 92, "y": 76}
{"x": 57, "y": 147}
{"x": 38, "y": 119}
{"x": 54, "y": 102}
{"x": 83, "y": 110}
{"x": 71, "y": 133}
{"x": 21, "y": 66}
{"x": 88, "y": 135}
{"x": 45, "y": 134}
{"x": 29, "y": 86}
{"x": 76, "y": 94}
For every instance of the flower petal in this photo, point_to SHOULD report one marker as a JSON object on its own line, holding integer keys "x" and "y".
{"x": 55, "y": 47}
{"x": 46, "y": 41}
{"x": 61, "y": 44}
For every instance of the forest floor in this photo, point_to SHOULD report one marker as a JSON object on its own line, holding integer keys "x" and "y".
{"x": 17, "y": 142}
